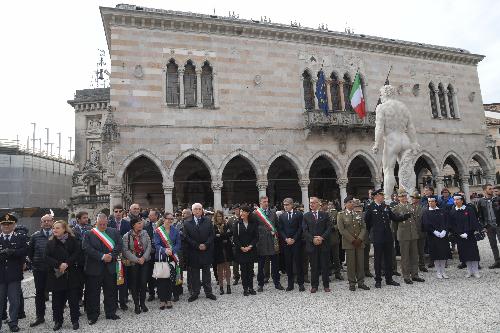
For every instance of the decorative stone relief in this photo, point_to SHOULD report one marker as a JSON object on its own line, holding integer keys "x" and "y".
{"x": 416, "y": 90}
{"x": 257, "y": 80}
{"x": 138, "y": 72}
{"x": 110, "y": 131}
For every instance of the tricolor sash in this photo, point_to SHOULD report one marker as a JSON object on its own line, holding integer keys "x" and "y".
{"x": 104, "y": 238}
{"x": 167, "y": 242}
{"x": 266, "y": 221}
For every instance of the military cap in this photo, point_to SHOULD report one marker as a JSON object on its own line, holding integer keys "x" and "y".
{"x": 402, "y": 192}
{"x": 348, "y": 198}
{"x": 433, "y": 197}
{"x": 458, "y": 195}
{"x": 416, "y": 195}
{"x": 379, "y": 191}
{"x": 8, "y": 218}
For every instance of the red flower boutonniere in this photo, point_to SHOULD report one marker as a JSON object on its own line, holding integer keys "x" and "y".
{"x": 466, "y": 213}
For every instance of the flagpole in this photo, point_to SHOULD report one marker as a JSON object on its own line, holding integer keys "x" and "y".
{"x": 386, "y": 83}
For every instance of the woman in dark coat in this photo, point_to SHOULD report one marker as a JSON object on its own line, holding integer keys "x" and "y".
{"x": 245, "y": 237}
{"x": 223, "y": 251}
{"x": 435, "y": 223}
{"x": 464, "y": 223}
{"x": 61, "y": 255}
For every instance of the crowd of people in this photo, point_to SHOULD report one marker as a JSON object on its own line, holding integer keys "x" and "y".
{"x": 144, "y": 254}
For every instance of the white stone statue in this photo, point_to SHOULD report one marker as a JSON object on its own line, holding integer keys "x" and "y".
{"x": 111, "y": 162}
{"x": 393, "y": 126}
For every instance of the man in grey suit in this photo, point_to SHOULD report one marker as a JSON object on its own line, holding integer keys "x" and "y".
{"x": 102, "y": 245}
{"x": 317, "y": 230}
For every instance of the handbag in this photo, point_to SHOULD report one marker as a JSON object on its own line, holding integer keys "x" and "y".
{"x": 479, "y": 235}
{"x": 161, "y": 270}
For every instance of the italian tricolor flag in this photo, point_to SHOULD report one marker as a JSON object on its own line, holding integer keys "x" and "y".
{"x": 356, "y": 97}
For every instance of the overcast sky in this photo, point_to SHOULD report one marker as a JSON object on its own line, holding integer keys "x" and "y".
{"x": 49, "y": 48}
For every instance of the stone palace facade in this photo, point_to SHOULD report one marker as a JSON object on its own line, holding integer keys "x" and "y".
{"x": 221, "y": 110}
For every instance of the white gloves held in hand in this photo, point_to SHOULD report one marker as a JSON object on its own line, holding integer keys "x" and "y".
{"x": 439, "y": 234}
{"x": 443, "y": 233}
{"x": 464, "y": 235}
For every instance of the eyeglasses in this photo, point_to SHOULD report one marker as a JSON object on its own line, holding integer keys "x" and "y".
{"x": 169, "y": 218}
{"x": 118, "y": 210}
{"x": 286, "y": 204}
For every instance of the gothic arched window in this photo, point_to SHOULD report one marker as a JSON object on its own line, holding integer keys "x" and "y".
{"x": 442, "y": 102}
{"x": 189, "y": 84}
{"x": 172, "y": 83}
{"x": 432, "y": 95}
{"x": 451, "y": 105}
{"x": 335, "y": 92}
{"x": 347, "y": 91}
{"x": 308, "y": 90}
{"x": 207, "y": 90}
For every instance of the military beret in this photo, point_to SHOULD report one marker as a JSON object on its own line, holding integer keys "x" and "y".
{"x": 236, "y": 207}
{"x": 348, "y": 198}
{"x": 8, "y": 218}
{"x": 379, "y": 191}
{"x": 416, "y": 195}
{"x": 402, "y": 192}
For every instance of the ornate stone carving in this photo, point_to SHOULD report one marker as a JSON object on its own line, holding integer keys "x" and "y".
{"x": 416, "y": 90}
{"x": 217, "y": 185}
{"x": 116, "y": 189}
{"x": 257, "y": 80}
{"x": 110, "y": 131}
{"x": 110, "y": 159}
{"x": 490, "y": 143}
{"x": 168, "y": 186}
{"x": 340, "y": 118}
{"x": 304, "y": 182}
{"x": 138, "y": 72}
{"x": 343, "y": 182}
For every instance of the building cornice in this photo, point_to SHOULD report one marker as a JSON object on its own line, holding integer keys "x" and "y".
{"x": 149, "y": 18}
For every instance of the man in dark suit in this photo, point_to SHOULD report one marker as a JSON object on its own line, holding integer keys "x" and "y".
{"x": 123, "y": 226}
{"x": 378, "y": 219}
{"x": 290, "y": 231}
{"x": 13, "y": 250}
{"x": 199, "y": 234}
{"x": 80, "y": 229}
{"x": 317, "y": 230}
{"x": 102, "y": 245}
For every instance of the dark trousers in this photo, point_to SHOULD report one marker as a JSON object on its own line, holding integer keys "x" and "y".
{"x": 336, "y": 265}
{"x": 383, "y": 252}
{"x": 421, "y": 254}
{"x": 164, "y": 289}
{"x": 59, "y": 299}
{"x": 274, "y": 269}
{"x": 137, "y": 281}
{"x": 40, "y": 278}
{"x": 236, "y": 270}
{"x": 293, "y": 259}
{"x": 81, "y": 271}
{"x": 319, "y": 260}
{"x": 122, "y": 290}
{"x": 366, "y": 256}
{"x": 206, "y": 279}
{"x": 247, "y": 275}
{"x": 151, "y": 280}
{"x": 494, "y": 233}
{"x": 107, "y": 282}
{"x": 12, "y": 292}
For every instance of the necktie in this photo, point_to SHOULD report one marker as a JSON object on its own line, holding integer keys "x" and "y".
{"x": 46, "y": 234}
{"x": 289, "y": 216}
{"x": 315, "y": 216}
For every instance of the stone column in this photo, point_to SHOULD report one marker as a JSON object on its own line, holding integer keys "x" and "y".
{"x": 341, "y": 89}
{"x": 455, "y": 104}
{"x": 314, "y": 92}
{"x": 377, "y": 182}
{"x": 115, "y": 196}
{"x": 215, "y": 89}
{"x": 181, "y": 88}
{"x": 465, "y": 187}
{"x": 343, "y": 189}
{"x": 168, "y": 187}
{"x": 446, "y": 104}
{"x": 439, "y": 185}
{"x": 198, "y": 88}
{"x": 262, "y": 186}
{"x": 329, "y": 94}
{"x": 217, "y": 188}
{"x": 304, "y": 187}
{"x": 438, "y": 105}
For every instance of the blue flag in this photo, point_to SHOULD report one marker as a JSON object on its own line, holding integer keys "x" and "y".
{"x": 321, "y": 92}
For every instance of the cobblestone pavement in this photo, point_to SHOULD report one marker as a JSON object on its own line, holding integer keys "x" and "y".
{"x": 455, "y": 305}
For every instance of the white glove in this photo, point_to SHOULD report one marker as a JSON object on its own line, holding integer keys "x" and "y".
{"x": 437, "y": 233}
{"x": 443, "y": 233}
{"x": 464, "y": 235}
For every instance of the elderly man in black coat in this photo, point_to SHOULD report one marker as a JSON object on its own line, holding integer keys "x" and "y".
{"x": 199, "y": 234}
{"x": 102, "y": 245}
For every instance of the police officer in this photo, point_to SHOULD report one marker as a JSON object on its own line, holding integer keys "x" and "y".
{"x": 334, "y": 241}
{"x": 378, "y": 219}
{"x": 352, "y": 228}
{"x": 13, "y": 250}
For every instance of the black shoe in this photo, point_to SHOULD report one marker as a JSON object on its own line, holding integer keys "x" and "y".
{"x": 339, "y": 277}
{"x": 228, "y": 289}
{"x": 176, "y": 298}
{"x": 302, "y": 288}
{"x": 76, "y": 325}
{"x": 92, "y": 321}
{"x": 14, "y": 328}
{"x": 461, "y": 265}
{"x": 221, "y": 291}
{"x": 369, "y": 274}
{"x": 245, "y": 293}
{"x": 124, "y": 307}
{"x": 192, "y": 298}
{"x": 431, "y": 265}
{"x": 418, "y": 279}
{"x": 495, "y": 265}
{"x": 151, "y": 298}
{"x": 37, "y": 322}
{"x": 289, "y": 288}
{"x": 423, "y": 269}
{"x": 378, "y": 285}
{"x": 144, "y": 308}
{"x": 252, "y": 292}
{"x": 396, "y": 273}
{"x": 279, "y": 287}
{"x": 137, "y": 309}
{"x": 235, "y": 282}
{"x": 392, "y": 283}
{"x": 363, "y": 286}
{"x": 260, "y": 289}
{"x": 211, "y": 296}
{"x": 57, "y": 326}
{"x": 113, "y": 317}
{"x": 408, "y": 281}
{"x": 266, "y": 281}
{"x": 22, "y": 315}
{"x": 352, "y": 288}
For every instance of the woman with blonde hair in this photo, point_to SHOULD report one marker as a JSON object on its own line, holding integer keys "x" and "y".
{"x": 223, "y": 251}
{"x": 61, "y": 255}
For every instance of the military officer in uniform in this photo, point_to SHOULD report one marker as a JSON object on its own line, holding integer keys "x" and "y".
{"x": 378, "y": 219}
{"x": 335, "y": 240}
{"x": 352, "y": 228}
{"x": 13, "y": 251}
{"x": 359, "y": 207}
{"x": 233, "y": 220}
{"x": 418, "y": 210}
{"x": 407, "y": 234}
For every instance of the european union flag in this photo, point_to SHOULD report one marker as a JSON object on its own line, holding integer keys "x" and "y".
{"x": 321, "y": 92}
